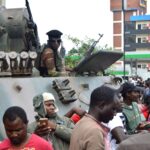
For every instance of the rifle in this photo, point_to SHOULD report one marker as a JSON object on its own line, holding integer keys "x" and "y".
{"x": 32, "y": 37}
{"x": 91, "y": 48}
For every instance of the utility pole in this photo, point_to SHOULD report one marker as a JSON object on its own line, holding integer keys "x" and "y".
{"x": 124, "y": 3}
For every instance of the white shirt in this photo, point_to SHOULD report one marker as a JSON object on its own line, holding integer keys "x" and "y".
{"x": 115, "y": 122}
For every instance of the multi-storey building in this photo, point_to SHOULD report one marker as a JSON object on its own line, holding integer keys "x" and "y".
{"x": 137, "y": 33}
{"x": 137, "y": 40}
{"x": 131, "y": 31}
{"x": 122, "y": 10}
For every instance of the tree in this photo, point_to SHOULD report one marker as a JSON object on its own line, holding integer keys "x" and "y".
{"x": 79, "y": 50}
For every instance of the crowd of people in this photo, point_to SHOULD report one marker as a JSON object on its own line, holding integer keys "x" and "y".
{"x": 114, "y": 119}
{"x": 117, "y": 119}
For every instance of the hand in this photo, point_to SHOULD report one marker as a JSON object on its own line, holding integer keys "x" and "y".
{"x": 143, "y": 125}
{"x": 75, "y": 110}
{"x": 42, "y": 129}
{"x": 52, "y": 125}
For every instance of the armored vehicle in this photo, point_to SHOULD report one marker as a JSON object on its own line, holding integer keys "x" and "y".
{"x": 19, "y": 78}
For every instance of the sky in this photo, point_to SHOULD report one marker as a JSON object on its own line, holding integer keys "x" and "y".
{"x": 78, "y": 18}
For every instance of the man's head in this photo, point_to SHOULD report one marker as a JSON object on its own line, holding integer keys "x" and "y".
{"x": 104, "y": 103}
{"x": 54, "y": 37}
{"x": 15, "y": 123}
{"x": 49, "y": 102}
{"x": 130, "y": 92}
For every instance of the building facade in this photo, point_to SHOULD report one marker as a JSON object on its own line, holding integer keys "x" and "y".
{"x": 122, "y": 10}
{"x": 137, "y": 40}
{"x": 131, "y": 33}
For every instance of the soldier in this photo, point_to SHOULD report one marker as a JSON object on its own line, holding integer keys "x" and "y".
{"x": 51, "y": 61}
{"x": 58, "y": 129}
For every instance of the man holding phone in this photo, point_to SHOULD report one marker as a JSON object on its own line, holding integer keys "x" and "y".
{"x": 53, "y": 127}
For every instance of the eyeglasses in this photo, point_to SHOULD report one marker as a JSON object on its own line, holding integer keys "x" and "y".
{"x": 54, "y": 40}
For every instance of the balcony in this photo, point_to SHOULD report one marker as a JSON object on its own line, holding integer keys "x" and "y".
{"x": 142, "y": 31}
{"x": 134, "y": 46}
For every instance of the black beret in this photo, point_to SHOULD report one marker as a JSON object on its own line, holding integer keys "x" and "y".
{"x": 54, "y": 34}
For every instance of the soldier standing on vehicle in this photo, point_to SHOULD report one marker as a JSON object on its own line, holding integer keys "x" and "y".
{"x": 51, "y": 63}
{"x": 57, "y": 129}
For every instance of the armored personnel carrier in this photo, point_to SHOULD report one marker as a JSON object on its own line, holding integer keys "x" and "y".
{"x": 19, "y": 50}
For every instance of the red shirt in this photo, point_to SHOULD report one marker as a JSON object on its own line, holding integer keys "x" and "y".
{"x": 35, "y": 143}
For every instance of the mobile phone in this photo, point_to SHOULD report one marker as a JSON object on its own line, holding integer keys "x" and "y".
{"x": 43, "y": 121}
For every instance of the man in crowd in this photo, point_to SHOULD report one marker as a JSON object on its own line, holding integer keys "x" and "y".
{"x": 90, "y": 133}
{"x": 119, "y": 123}
{"x": 15, "y": 123}
{"x": 135, "y": 121}
{"x": 58, "y": 129}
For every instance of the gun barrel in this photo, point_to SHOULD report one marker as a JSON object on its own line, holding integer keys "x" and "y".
{"x": 90, "y": 50}
{"x": 29, "y": 11}
{"x": 100, "y": 36}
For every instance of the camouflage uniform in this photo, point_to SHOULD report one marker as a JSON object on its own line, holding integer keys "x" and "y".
{"x": 60, "y": 138}
{"x": 51, "y": 62}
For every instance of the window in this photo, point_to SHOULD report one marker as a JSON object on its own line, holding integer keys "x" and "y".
{"x": 139, "y": 27}
{"x": 142, "y": 3}
{"x": 144, "y": 66}
{"x": 139, "y": 65}
{"x": 142, "y": 40}
{"x": 144, "y": 26}
{"x": 139, "y": 40}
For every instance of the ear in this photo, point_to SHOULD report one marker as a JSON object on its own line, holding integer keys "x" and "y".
{"x": 101, "y": 105}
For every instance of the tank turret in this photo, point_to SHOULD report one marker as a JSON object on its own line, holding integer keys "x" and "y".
{"x": 18, "y": 33}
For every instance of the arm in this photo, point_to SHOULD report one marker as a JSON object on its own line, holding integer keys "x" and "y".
{"x": 64, "y": 130}
{"x": 75, "y": 114}
{"x": 118, "y": 134}
{"x": 75, "y": 110}
{"x": 48, "y": 59}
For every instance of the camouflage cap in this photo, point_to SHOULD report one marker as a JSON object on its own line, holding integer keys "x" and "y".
{"x": 54, "y": 34}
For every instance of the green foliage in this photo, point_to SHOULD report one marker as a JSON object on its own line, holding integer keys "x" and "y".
{"x": 79, "y": 50}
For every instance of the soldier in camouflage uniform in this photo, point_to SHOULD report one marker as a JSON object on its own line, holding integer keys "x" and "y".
{"x": 58, "y": 130}
{"x": 51, "y": 63}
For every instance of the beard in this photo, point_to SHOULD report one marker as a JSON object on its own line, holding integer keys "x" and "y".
{"x": 16, "y": 141}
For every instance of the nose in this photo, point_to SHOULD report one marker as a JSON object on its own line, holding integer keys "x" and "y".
{"x": 52, "y": 107}
{"x": 14, "y": 134}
